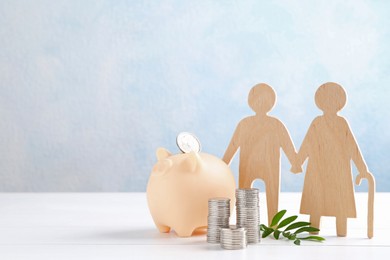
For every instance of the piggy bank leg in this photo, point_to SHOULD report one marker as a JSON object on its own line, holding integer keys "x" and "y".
{"x": 184, "y": 231}
{"x": 201, "y": 229}
{"x": 162, "y": 228}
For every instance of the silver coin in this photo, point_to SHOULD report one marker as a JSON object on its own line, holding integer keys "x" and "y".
{"x": 188, "y": 142}
{"x": 215, "y": 226}
{"x": 233, "y": 238}
{"x": 213, "y": 241}
{"x": 248, "y": 217}
{"x": 219, "y": 199}
{"x": 219, "y": 207}
{"x": 244, "y": 208}
{"x": 217, "y": 220}
{"x": 214, "y": 210}
{"x": 249, "y": 201}
{"x": 247, "y": 221}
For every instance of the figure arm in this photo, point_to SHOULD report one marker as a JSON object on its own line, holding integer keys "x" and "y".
{"x": 233, "y": 146}
{"x": 303, "y": 151}
{"x": 287, "y": 145}
{"x": 356, "y": 155}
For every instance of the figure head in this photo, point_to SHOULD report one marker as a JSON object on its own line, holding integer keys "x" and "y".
{"x": 330, "y": 98}
{"x": 262, "y": 98}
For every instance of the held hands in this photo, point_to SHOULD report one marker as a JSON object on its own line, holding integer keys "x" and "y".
{"x": 296, "y": 165}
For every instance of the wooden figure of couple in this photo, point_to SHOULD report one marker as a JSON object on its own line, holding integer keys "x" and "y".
{"x": 329, "y": 146}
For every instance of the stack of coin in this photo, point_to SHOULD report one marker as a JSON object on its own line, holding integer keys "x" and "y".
{"x": 247, "y": 211}
{"x": 233, "y": 238}
{"x": 218, "y": 217}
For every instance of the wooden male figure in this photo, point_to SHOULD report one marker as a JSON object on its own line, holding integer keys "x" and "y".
{"x": 260, "y": 138}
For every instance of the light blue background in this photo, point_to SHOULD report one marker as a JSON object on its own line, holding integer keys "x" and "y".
{"x": 89, "y": 89}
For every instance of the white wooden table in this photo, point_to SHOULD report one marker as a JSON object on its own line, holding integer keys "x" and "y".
{"x": 119, "y": 226}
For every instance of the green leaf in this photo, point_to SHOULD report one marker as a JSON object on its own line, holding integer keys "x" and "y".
{"x": 286, "y": 234}
{"x": 277, "y": 217}
{"x": 306, "y": 229}
{"x": 287, "y": 221}
{"x": 277, "y": 234}
{"x": 297, "y": 225}
{"x": 267, "y": 232}
{"x": 292, "y": 237}
{"x": 263, "y": 227}
{"x": 297, "y": 242}
{"x": 314, "y": 238}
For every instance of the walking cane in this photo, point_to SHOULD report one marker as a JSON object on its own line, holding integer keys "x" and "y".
{"x": 370, "y": 209}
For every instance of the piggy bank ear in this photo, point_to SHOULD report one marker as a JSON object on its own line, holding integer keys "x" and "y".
{"x": 162, "y": 153}
{"x": 162, "y": 167}
{"x": 192, "y": 162}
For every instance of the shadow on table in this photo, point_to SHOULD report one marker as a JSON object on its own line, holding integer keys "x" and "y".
{"x": 146, "y": 236}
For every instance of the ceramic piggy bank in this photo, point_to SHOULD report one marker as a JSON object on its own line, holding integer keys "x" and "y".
{"x": 180, "y": 186}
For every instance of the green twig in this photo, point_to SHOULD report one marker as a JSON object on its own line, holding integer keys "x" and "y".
{"x": 300, "y": 227}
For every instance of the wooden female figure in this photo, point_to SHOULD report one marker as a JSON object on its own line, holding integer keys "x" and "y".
{"x": 329, "y": 146}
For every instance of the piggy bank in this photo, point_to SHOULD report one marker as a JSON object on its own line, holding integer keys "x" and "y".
{"x": 180, "y": 186}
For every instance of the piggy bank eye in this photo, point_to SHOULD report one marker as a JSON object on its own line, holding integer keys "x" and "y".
{"x": 162, "y": 167}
